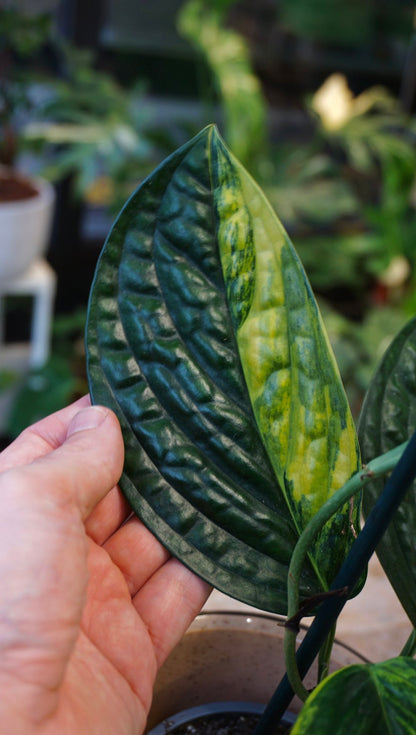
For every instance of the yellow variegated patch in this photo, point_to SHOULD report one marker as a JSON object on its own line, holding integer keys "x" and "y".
{"x": 293, "y": 381}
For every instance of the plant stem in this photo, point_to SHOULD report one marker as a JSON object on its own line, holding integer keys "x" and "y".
{"x": 375, "y": 468}
{"x": 325, "y": 655}
{"x": 289, "y": 647}
{"x": 350, "y": 572}
{"x": 409, "y": 648}
{"x": 292, "y": 670}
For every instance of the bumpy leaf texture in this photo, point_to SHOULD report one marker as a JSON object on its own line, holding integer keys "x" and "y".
{"x": 204, "y": 337}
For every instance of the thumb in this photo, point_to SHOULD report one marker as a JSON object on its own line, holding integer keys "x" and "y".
{"x": 89, "y": 462}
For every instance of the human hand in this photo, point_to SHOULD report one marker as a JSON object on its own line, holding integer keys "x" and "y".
{"x": 91, "y": 604}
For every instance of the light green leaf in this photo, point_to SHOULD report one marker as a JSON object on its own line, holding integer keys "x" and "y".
{"x": 364, "y": 699}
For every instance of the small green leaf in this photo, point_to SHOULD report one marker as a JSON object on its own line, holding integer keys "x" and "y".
{"x": 166, "y": 352}
{"x": 387, "y": 419}
{"x": 364, "y": 699}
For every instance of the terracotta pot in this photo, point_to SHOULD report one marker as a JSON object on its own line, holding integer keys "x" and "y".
{"x": 228, "y": 656}
{"x": 25, "y": 226}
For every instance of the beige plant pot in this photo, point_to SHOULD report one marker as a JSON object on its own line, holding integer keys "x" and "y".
{"x": 228, "y": 656}
{"x": 25, "y": 226}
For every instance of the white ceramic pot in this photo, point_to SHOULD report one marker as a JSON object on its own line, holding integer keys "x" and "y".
{"x": 25, "y": 226}
{"x": 229, "y": 656}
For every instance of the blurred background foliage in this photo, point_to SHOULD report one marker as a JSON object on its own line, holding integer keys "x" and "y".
{"x": 316, "y": 99}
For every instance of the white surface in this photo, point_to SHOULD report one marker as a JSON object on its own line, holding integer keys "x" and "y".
{"x": 39, "y": 281}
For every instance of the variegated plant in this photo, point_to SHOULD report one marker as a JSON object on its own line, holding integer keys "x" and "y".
{"x": 205, "y": 338}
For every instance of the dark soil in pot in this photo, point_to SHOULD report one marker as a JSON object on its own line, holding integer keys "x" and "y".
{"x": 219, "y": 718}
{"x": 232, "y": 724}
{"x": 14, "y": 187}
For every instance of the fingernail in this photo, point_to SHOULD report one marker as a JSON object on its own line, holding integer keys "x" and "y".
{"x": 87, "y": 418}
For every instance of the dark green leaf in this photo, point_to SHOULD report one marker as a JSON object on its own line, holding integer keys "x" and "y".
{"x": 387, "y": 419}
{"x": 364, "y": 699}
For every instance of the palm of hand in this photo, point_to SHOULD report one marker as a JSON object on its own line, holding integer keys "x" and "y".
{"x": 139, "y": 602}
{"x": 99, "y": 604}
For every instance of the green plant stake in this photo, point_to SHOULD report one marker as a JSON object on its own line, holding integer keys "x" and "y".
{"x": 375, "y": 469}
{"x": 357, "y": 559}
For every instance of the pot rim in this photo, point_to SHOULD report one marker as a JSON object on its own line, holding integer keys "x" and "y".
{"x": 280, "y": 619}
{"x": 232, "y": 707}
{"x": 45, "y": 191}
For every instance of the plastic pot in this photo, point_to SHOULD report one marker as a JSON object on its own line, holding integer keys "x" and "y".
{"x": 229, "y": 656}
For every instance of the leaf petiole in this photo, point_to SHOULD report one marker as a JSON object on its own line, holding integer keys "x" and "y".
{"x": 325, "y": 655}
{"x": 376, "y": 468}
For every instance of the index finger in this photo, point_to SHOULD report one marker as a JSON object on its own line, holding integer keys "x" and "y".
{"x": 81, "y": 471}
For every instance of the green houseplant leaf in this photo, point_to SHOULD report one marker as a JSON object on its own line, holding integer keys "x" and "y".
{"x": 388, "y": 418}
{"x": 364, "y": 699}
{"x": 190, "y": 345}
